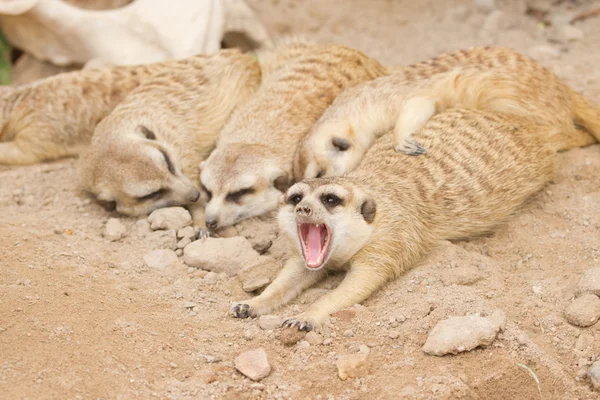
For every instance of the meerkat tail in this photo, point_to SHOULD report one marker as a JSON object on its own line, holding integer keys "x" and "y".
{"x": 587, "y": 115}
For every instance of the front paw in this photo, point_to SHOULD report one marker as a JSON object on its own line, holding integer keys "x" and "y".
{"x": 302, "y": 323}
{"x": 410, "y": 147}
{"x": 242, "y": 310}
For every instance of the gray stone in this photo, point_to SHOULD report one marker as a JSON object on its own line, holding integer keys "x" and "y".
{"x": 227, "y": 255}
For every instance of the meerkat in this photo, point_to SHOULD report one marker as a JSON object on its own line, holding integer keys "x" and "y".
{"x": 141, "y": 131}
{"x": 381, "y": 219}
{"x": 252, "y": 164}
{"x": 146, "y": 153}
{"x": 495, "y": 79}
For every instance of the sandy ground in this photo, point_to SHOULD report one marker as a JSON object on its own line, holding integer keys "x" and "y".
{"x": 82, "y": 317}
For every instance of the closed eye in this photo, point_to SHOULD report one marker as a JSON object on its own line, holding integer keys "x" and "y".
{"x": 208, "y": 192}
{"x": 237, "y": 195}
{"x": 153, "y": 196}
{"x": 170, "y": 165}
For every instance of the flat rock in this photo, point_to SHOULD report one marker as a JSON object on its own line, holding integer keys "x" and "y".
{"x": 589, "y": 282}
{"x": 161, "y": 259}
{"x": 291, "y": 336}
{"x": 228, "y": 255}
{"x": 269, "y": 322}
{"x": 458, "y": 334}
{"x": 254, "y": 364}
{"x": 461, "y": 276}
{"x": 353, "y": 366}
{"x": 114, "y": 229}
{"x": 170, "y": 218}
{"x": 584, "y": 311}
{"x": 314, "y": 338}
{"x": 253, "y": 284}
{"x": 186, "y": 232}
{"x": 594, "y": 374}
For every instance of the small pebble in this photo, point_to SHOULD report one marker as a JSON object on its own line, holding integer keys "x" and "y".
{"x": 161, "y": 259}
{"x": 327, "y": 341}
{"x": 589, "y": 282}
{"x": 114, "y": 229}
{"x": 170, "y": 218}
{"x": 584, "y": 311}
{"x": 179, "y": 252}
{"x": 184, "y": 242}
{"x": 254, "y": 364}
{"x": 594, "y": 374}
{"x": 186, "y": 232}
{"x": 291, "y": 336}
{"x": 211, "y": 278}
{"x": 349, "y": 333}
{"x": 189, "y": 304}
{"x": 314, "y": 338}
{"x": 269, "y": 322}
{"x": 353, "y": 366}
{"x": 248, "y": 334}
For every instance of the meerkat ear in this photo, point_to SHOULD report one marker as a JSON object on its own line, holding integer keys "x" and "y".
{"x": 147, "y": 133}
{"x": 282, "y": 183}
{"x": 340, "y": 144}
{"x": 368, "y": 209}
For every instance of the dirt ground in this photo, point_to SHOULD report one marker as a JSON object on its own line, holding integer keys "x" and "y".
{"x": 82, "y": 317}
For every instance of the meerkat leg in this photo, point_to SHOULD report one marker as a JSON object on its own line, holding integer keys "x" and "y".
{"x": 414, "y": 113}
{"x": 12, "y": 154}
{"x": 359, "y": 284}
{"x": 291, "y": 281}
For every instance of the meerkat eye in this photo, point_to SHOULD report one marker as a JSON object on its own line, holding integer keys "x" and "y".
{"x": 170, "y": 165}
{"x": 331, "y": 200}
{"x": 208, "y": 192}
{"x": 340, "y": 144}
{"x": 147, "y": 132}
{"x": 321, "y": 173}
{"x": 153, "y": 196}
{"x": 294, "y": 199}
{"x": 236, "y": 196}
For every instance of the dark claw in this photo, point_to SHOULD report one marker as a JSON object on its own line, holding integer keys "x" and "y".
{"x": 202, "y": 234}
{"x": 241, "y": 311}
{"x": 418, "y": 150}
{"x": 300, "y": 325}
{"x": 412, "y": 148}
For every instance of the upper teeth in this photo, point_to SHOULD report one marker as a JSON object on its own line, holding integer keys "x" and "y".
{"x": 318, "y": 225}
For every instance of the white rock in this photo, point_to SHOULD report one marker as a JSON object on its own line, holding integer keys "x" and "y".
{"x": 458, "y": 334}
{"x": 584, "y": 311}
{"x": 183, "y": 242}
{"x": 269, "y": 322}
{"x": 114, "y": 229}
{"x": 228, "y": 255}
{"x": 161, "y": 259}
{"x": 594, "y": 374}
{"x": 170, "y": 218}
{"x": 186, "y": 232}
{"x": 353, "y": 365}
{"x": 254, "y": 364}
{"x": 589, "y": 282}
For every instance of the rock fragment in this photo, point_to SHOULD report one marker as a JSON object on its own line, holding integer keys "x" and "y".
{"x": 161, "y": 259}
{"x": 584, "y": 311}
{"x": 170, "y": 218}
{"x": 269, "y": 322}
{"x": 186, "y": 232}
{"x": 458, "y": 334}
{"x": 594, "y": 374}
{"x": 228, "y": 255}
{"x": 461, "y": 276}
{"x": 353, "y": 365}
{"x": 291, "y": 336}
{"x": 254, "y": 364}
{"x": 314, "y": 338}
{"x": 589, "y": 282}
{"x": 114, "y": 229}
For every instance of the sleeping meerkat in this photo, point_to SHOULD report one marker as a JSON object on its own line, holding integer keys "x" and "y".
{"x": 146, "y": 153}
{"x": 252, "y": 164}
{"x": 382, "y": 218}
{"x": 492, "y": 79}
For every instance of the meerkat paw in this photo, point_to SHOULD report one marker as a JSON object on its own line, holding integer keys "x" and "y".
{"x": 202, "y": 234}
{"x": 242, "y": 310}
{"x": 410, "y": 147}
{"x": 302, "y": 322}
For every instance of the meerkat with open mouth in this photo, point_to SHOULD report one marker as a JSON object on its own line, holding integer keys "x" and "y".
{"x": 491, "y": 79}
{"x": 252, "y": 164}
{"x": 383, "y": 218}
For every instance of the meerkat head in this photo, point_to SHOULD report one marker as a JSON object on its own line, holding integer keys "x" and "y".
{"x": 330, "y": 149}
{"x": 134, "y": 172}
{"x": 329, "y": 219}
{"x": 241, "y": 181}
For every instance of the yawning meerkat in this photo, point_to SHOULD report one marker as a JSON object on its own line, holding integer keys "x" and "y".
{"x": 252, "y": 164}
{"x": 383, "y": 218}
{"x": 491, "y": 79}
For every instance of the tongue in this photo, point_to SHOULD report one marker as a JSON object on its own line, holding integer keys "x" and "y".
{"x": 313, "y": 245}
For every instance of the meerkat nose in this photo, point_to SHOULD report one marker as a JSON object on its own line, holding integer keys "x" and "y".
{"x": 194, "y": 195}
{"x": 211, "y": 223}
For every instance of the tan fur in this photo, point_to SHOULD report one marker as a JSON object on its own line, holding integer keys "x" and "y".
{"x": 492, "y": 79}
{"x": 253, "y": 160}
{"x": 183, "y": 108}
{"x": 480, "y": 168}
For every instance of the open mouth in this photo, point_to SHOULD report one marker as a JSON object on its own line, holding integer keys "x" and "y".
{"x": 315, "y": 240}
